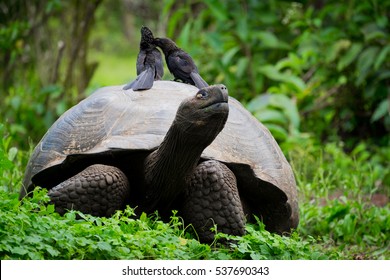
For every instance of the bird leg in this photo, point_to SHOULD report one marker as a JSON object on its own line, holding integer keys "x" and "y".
{"x": 99, "y": 190}
{"x": 212, "y": 199}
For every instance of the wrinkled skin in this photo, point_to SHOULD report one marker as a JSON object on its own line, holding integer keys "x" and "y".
{"x": 171, "y": 172}
{"x": 149, "y": 63}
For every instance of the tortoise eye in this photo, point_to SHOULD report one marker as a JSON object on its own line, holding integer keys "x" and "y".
{"x": 202, "y": 94}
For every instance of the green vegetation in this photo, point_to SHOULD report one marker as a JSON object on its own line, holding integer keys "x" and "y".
{"x": 316, "y": 73}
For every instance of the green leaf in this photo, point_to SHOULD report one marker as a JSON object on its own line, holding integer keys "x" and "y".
{"x": 19, "y": 250}
{"x": 296, "y": 81}
{"x": 34, "y": 239}
{"x": 336, "y": 48}
{"x": 12, "y": 153}
{"x": 259, "y": 102}
{"x": 242, "y": 28}
{"x": 104, "y": 246}
{"x": 167, "y": 6}
{"x": 174, "y": 20}
{"x": 271, "y": 116}
{"x": 184, "y": 38}
{"x": 123, "y": 250}
{"x": 272, "y": 73}
{"x": 349, "y": 225}
{"x": 33, "y": 255}
{"x": 228, "y": 56}
{"x": 143, "y": 217}
{"x": 384, "y": 75}
{"x": 384, "y": 54}
{"x": 372, "y": 32}
{"x": 376, "y": 35}
{"x": 215, "y": 41}
{"x": 242, "y": 66}
{"x": 288, "y": 107}
{"x": 293, "y": 61}
{"x": 217, "y": 9}
{"x": 82, "y": 241}
{"x": 53, "y": 90}
{"x": 61, "y": 108}
{"x": 53, "y": 252}
{"x": 5, "y": 163}
{"x": 268, "y": 40}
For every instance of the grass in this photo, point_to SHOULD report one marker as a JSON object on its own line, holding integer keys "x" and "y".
{"x": 338, "y": 218}
{"x": 116, "y": 69}
{"x": 34, "y": 231}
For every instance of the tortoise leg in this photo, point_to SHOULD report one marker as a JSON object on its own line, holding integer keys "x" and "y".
{"x": 212, "y": 198}
{"x": 99, "y": 190}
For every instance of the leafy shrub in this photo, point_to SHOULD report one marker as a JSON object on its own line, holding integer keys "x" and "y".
{"x": 30, "y": 111}
{"x": 329, "y": 228}
{"x": 351, "y": 225}
{"x": 336, "y": 193}
{"x": 31, "y": 230}
{"x": 43, "y": 62}
{"x": 279, "y": 58}
{"x": 259, "y": 244}
{"x": 347, "y": 68}
{"x": 324, "y": 170}
{"x": 12, "y": 162}
{"x": 279, "y": 113}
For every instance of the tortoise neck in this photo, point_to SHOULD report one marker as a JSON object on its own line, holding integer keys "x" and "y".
{"x": 168, "y": 168}
{"x": 169, "y": 48}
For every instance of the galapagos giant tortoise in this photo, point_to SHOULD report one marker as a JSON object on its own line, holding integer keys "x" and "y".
{"x": 162, "y": 149}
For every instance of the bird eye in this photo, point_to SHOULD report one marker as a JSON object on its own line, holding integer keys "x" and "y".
{"x": 203, "y": 94}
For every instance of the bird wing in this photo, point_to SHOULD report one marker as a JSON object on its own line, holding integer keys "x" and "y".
{"x": 141, "y": 59}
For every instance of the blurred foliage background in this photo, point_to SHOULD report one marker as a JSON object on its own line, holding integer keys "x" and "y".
{"x": 307, "y": 69}
{"x": 316, "y": 73}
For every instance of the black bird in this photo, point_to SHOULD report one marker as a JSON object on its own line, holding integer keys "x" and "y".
{"x": 149, "y": 63}
{"x": 180, "y": 63}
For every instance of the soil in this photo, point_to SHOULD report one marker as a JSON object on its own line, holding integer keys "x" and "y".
{"x": 379, "y": 200}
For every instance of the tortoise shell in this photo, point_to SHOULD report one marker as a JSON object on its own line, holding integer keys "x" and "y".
{"x": 121, "y": 127}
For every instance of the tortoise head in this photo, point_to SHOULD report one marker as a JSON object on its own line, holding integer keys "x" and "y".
{"x": 203, "y": 116}
{"x": 167, "y": 45}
